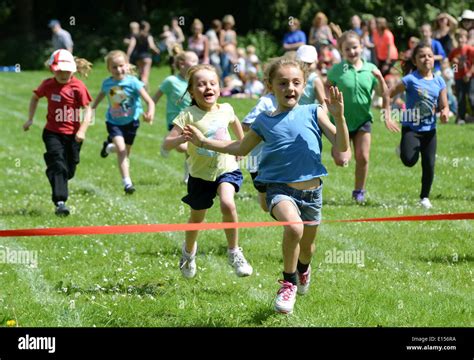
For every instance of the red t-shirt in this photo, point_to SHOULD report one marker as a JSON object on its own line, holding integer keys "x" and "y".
{"x": 465, "y": 56}
{"x": 382, "y": 42}
{"x": 64, "y": 104}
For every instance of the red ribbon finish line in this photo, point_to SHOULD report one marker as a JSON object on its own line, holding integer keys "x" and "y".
{"x": 155, "y": 228}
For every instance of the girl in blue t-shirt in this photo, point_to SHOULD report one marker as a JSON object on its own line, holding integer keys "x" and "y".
{"x": 123, "y": 91}
{"x": 290, "y": 167}
{"x": 425, "y": 93}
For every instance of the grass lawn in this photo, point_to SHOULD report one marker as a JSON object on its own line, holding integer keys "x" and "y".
{"x": 413, "y": 273}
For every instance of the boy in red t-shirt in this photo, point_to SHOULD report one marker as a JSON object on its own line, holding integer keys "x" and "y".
{"x": 462, "y": 59}
{"x": 64, "y": 132}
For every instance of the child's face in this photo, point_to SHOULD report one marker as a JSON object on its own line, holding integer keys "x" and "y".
{"x": 351, "y": 50}
{"x": 205, "y": 90}
{"x": 191, "y": 59}
{"x": 462, "y": 40}
{"x": 63, "y": 77}
{"x": 424, "y": 59}
{"x": 426, "y": 32}
{"x": 287, "y": 85}
{"x": 118, "y": 67}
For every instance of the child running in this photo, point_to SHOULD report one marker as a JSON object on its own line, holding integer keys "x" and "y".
{"x": 291, "y": 167}
{"x": 210, "y": 173}
{"x": 424, "y": 91}
{"x": 357, "y": 79}
{"x": 123, "y": 92}
{"x": 174, "y": 86}
{"x": 64, "y": 133}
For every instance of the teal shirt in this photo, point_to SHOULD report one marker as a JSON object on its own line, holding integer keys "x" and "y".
{"x": 174, "y": 87}
{"x": 357, "y": 87}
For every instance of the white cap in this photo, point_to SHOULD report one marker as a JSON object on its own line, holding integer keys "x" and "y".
{"x": 467, "y": 15}
{"x": 307, "y": 54}
{"x": 62, "y": 60}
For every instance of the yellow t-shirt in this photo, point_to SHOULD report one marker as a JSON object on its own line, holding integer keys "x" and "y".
{"x": 202, "y": 163}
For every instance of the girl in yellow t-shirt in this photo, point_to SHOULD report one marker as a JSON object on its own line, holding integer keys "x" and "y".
{"x": 210, "y": 173}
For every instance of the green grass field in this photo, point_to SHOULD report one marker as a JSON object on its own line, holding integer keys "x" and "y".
{"x": 414, "y": 273}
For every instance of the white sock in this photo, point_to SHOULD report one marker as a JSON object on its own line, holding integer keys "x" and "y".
{"x": 193, "y": 253}
{"x": 233, "y": 250}
{"x": 127, "y": 181}
{"x": 110, "y": 148}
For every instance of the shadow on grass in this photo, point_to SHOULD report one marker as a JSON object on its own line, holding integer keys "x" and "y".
{"x": 22, "y": 212}
{"x": 111, "y": 289}
{"x": 147, "y": 182}
{"x": 447, "y": 259}
{"x": 261, "y": 315}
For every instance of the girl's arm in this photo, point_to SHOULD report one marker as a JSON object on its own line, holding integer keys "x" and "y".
{"x": 384, "y": 90}
{"x": 237, "y": 129}
{"x": 97, "y": 100}
{"x": 233, "y": 147}
{"x": 174, "y": 138}
{"x": 31, "y": 112}
{"x": 150, "y": 113}
{"x": 443, "y": 105}
{"x": 338, "y": 135}
{"x": 157, "y": 96}
{"x": 206, "y": 50}
{"x": 131, "y": 46}
{"x": 151, "y": 44}
{"x": 86, "y": 121}
{"x": 320, "y": 92}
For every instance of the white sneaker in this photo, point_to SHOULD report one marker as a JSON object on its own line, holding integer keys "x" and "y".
{"x": 110, "y": 148}
{"x": 187, "y": 264}
{"x": 286, "y": 298}
{"x": 163, "y": 152}
{"x": 426, "y": 203}
{"x": 239, "y": 263}
{"x": 303, "y": 281}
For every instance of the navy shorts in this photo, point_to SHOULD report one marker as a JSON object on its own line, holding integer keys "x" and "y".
{"x": 201, "y": 193}
{"x": 365, "y": 127}
{"x": 127, "y": 131}
{"x": 261, "y": 187}
{"x": 309, "y": 203}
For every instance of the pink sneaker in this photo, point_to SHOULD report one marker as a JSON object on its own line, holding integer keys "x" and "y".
{"x": 303, "y": 281}
{"x": 286, "y": 297}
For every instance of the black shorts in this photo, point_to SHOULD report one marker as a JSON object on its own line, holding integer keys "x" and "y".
{"x": 201, "y": 193}
{"x": 127, "y": 131}
{"x": 365, "y": 127}
{"x": 261, "y": 187}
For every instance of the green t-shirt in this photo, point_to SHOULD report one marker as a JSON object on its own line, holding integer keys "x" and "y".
{"x": 174, "y": 87}
{"x": 357, "y": 87}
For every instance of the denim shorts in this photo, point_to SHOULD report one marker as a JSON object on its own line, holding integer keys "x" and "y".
{"x": 309, "y": 203}
{"x": 201, "y": 193}
{"x": 127, "y": 131}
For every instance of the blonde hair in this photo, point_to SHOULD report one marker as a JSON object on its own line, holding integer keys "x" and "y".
{"x": 190, "y": 76}
{"x": 281, "y": 62}
{"x": 181, "y": 56}
{"x": 228, "y": 19}
{"x": 119, "y": 53}
{"x": 346, "y": 35}
{"x": 320, "y": 19}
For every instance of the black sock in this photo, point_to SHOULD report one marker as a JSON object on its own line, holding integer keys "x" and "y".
{"x": 290, "y": 277}
{"x": 302, "y": 268}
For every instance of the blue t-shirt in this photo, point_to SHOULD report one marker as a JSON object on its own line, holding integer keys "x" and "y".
{"x": 421, "y": 101}
{"x": 294, "y": 37}
{"x": 437, "y": 50}
{"x": 174, "y": 87}
{"x": 292, "y": 146}
{"x": 124, "y": 99}
{"x": 266, "y": 103}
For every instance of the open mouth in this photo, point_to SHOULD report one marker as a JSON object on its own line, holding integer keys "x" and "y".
{"x": 208, "y": 96}
{"x": 290, "y": 97}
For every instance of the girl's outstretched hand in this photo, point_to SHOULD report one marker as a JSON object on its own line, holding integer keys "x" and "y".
{"x": 444, "y": 116}
{"x": 27, "y": 125}
{"x": 193, "y": 135}
{"x": 148, "y": 117}
{"x": 335, "y": 103}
